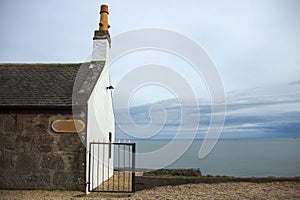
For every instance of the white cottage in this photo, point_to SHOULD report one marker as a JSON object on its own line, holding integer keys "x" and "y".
{"x": 54, "y": 121}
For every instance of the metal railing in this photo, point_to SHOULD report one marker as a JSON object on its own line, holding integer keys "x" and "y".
{"x": 111, "y": 167}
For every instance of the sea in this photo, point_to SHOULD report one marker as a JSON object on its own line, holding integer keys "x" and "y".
{"x": 232, "y": 157}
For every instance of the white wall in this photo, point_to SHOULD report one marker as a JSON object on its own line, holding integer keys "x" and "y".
{"x": 100, "y": 119}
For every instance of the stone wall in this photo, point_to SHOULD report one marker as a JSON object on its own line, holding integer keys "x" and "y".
{"x": 144, "y": 182}
{"x": 32, "y": 156}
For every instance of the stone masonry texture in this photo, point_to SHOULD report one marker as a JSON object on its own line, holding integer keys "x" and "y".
{"x": 32, "y": 156}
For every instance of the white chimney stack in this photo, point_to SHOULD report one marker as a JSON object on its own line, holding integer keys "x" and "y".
{"x": 101, "y": 44}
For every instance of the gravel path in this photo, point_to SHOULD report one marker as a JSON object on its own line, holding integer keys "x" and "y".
{"x": 242, "y": 190}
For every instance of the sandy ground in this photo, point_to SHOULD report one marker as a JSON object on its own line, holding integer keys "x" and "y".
{"x": 242, "y": 190}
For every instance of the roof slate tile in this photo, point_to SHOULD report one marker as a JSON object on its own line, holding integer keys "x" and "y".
{"x": 38, "y": 84}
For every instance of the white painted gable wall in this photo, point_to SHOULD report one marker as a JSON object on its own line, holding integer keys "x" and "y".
{"x": 100, "y": 116}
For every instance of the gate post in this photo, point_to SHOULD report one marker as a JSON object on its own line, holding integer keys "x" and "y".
{"x": 133, "y": 168}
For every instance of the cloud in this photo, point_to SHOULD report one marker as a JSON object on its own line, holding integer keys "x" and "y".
{"x": 295, "y": 82}
{"x": 248, "y": 116}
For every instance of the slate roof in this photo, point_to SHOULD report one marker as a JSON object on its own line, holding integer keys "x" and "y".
{"x": 38, "y": 85}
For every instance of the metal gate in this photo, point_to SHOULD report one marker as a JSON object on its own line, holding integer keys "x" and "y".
{"x": 111, "y": 167}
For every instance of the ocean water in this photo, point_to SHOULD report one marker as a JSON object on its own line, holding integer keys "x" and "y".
{"x": 241, "y": 158}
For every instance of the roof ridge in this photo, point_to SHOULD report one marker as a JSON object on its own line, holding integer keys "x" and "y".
{"x": 38, "y": 64}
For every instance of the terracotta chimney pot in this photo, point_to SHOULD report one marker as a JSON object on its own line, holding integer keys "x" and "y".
{"x": 103, "y": 25}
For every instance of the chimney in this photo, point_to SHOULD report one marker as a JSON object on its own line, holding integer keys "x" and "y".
{"x": 101, "y": 38}
{"x": 103, "y": 25}
{"x": 103, "y": 33}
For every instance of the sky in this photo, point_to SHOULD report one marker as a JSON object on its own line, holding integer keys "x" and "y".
{"x": 254, "y": 45}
